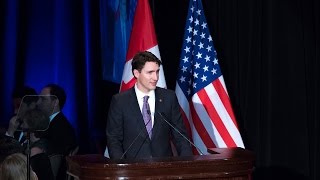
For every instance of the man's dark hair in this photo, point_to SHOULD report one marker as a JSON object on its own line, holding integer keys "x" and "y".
{"x": 20, "y": 92}
{"x": 59, "y": 92}
{"x": 140, "y": 59}
{"x": 26, "y": 94}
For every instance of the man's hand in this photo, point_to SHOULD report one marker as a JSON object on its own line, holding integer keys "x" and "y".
{"x": 13, "y": 126}
{"x": 35, "y": 151}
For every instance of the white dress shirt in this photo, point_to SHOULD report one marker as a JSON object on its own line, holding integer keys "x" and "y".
{"x": 151, "y": 101}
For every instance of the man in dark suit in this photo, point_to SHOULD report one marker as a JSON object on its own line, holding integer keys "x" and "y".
{"x": 60, "y": 134}
{"x": 128, "y": 134}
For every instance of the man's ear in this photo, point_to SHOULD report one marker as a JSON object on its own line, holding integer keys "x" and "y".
{"x": 56, "y": 104}
{"x": 136, "y": 73}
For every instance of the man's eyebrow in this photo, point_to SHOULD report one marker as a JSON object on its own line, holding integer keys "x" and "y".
{"x": 153, "y": 70}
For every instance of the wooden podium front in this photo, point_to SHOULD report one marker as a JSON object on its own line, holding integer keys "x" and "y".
{"x": 222, "y": 163}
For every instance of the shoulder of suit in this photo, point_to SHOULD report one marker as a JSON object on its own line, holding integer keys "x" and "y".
{"x": 131, "y": 92}
{"x": 124, "y": 94}
{"x": 59, "y": 118}
{"x": 163, "y": 90}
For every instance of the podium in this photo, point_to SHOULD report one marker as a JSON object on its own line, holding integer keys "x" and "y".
{"x": 221, "y": 163}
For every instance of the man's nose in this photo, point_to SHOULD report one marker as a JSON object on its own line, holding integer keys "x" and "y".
{"x": 155, "y": 76}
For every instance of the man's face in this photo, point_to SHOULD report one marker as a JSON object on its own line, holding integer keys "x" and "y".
{"x": 46, "y": 103}
{"x": 148, "y": 77}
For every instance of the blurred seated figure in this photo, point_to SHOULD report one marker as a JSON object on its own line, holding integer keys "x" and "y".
{"x": 8, "y": 146}
{"x": 35, "y": 122}
{"x": 14, "y": 167}
{"x": 28, "y": 103}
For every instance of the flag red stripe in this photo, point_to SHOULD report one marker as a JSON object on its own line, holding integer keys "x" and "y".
{"x": 215, "y": 118}
{"x": 204, "y": 135}
{"x": 225, "y": 100}
{"x": 187, "y": 124}
{"x": 143, "y": 34}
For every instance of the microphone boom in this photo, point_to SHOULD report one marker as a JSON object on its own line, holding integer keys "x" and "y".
{"x": 163, "y": 118}
{"x": 135, "y": 139}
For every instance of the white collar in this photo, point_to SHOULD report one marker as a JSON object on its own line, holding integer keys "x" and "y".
{"x": 53, "y": 115}
{"x": 141, "y": 94}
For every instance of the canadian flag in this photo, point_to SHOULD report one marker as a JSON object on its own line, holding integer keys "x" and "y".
{"x": 143, "y": 38}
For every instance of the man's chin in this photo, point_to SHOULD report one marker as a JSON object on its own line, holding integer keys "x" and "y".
{"x": 153, "y": 87}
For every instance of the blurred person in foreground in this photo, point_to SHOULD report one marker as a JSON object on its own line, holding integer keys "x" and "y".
{"x": 8, "y": 146}
{"x": 14, "y": 167}
{"x": 23, "y": 99}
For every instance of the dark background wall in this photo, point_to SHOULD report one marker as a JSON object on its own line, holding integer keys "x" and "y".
{"x": 268, "y": 50}
{"x": 269, "y": 55}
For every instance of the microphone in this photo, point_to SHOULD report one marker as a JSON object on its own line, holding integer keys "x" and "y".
{"x": 135, "y": 139}
{"x": 175, "y": 129}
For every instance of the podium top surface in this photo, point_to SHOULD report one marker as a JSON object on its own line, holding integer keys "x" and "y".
{"x": 216, "y": 155}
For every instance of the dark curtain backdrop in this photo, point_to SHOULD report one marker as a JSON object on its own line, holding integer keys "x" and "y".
{"x": 268, "y": 51}
{"x": 55, "y": 41}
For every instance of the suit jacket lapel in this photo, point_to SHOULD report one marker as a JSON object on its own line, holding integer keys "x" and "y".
{"x": 158, "y": 108}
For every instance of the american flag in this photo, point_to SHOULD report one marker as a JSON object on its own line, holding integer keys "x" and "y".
{"x": 200, "y": 87}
